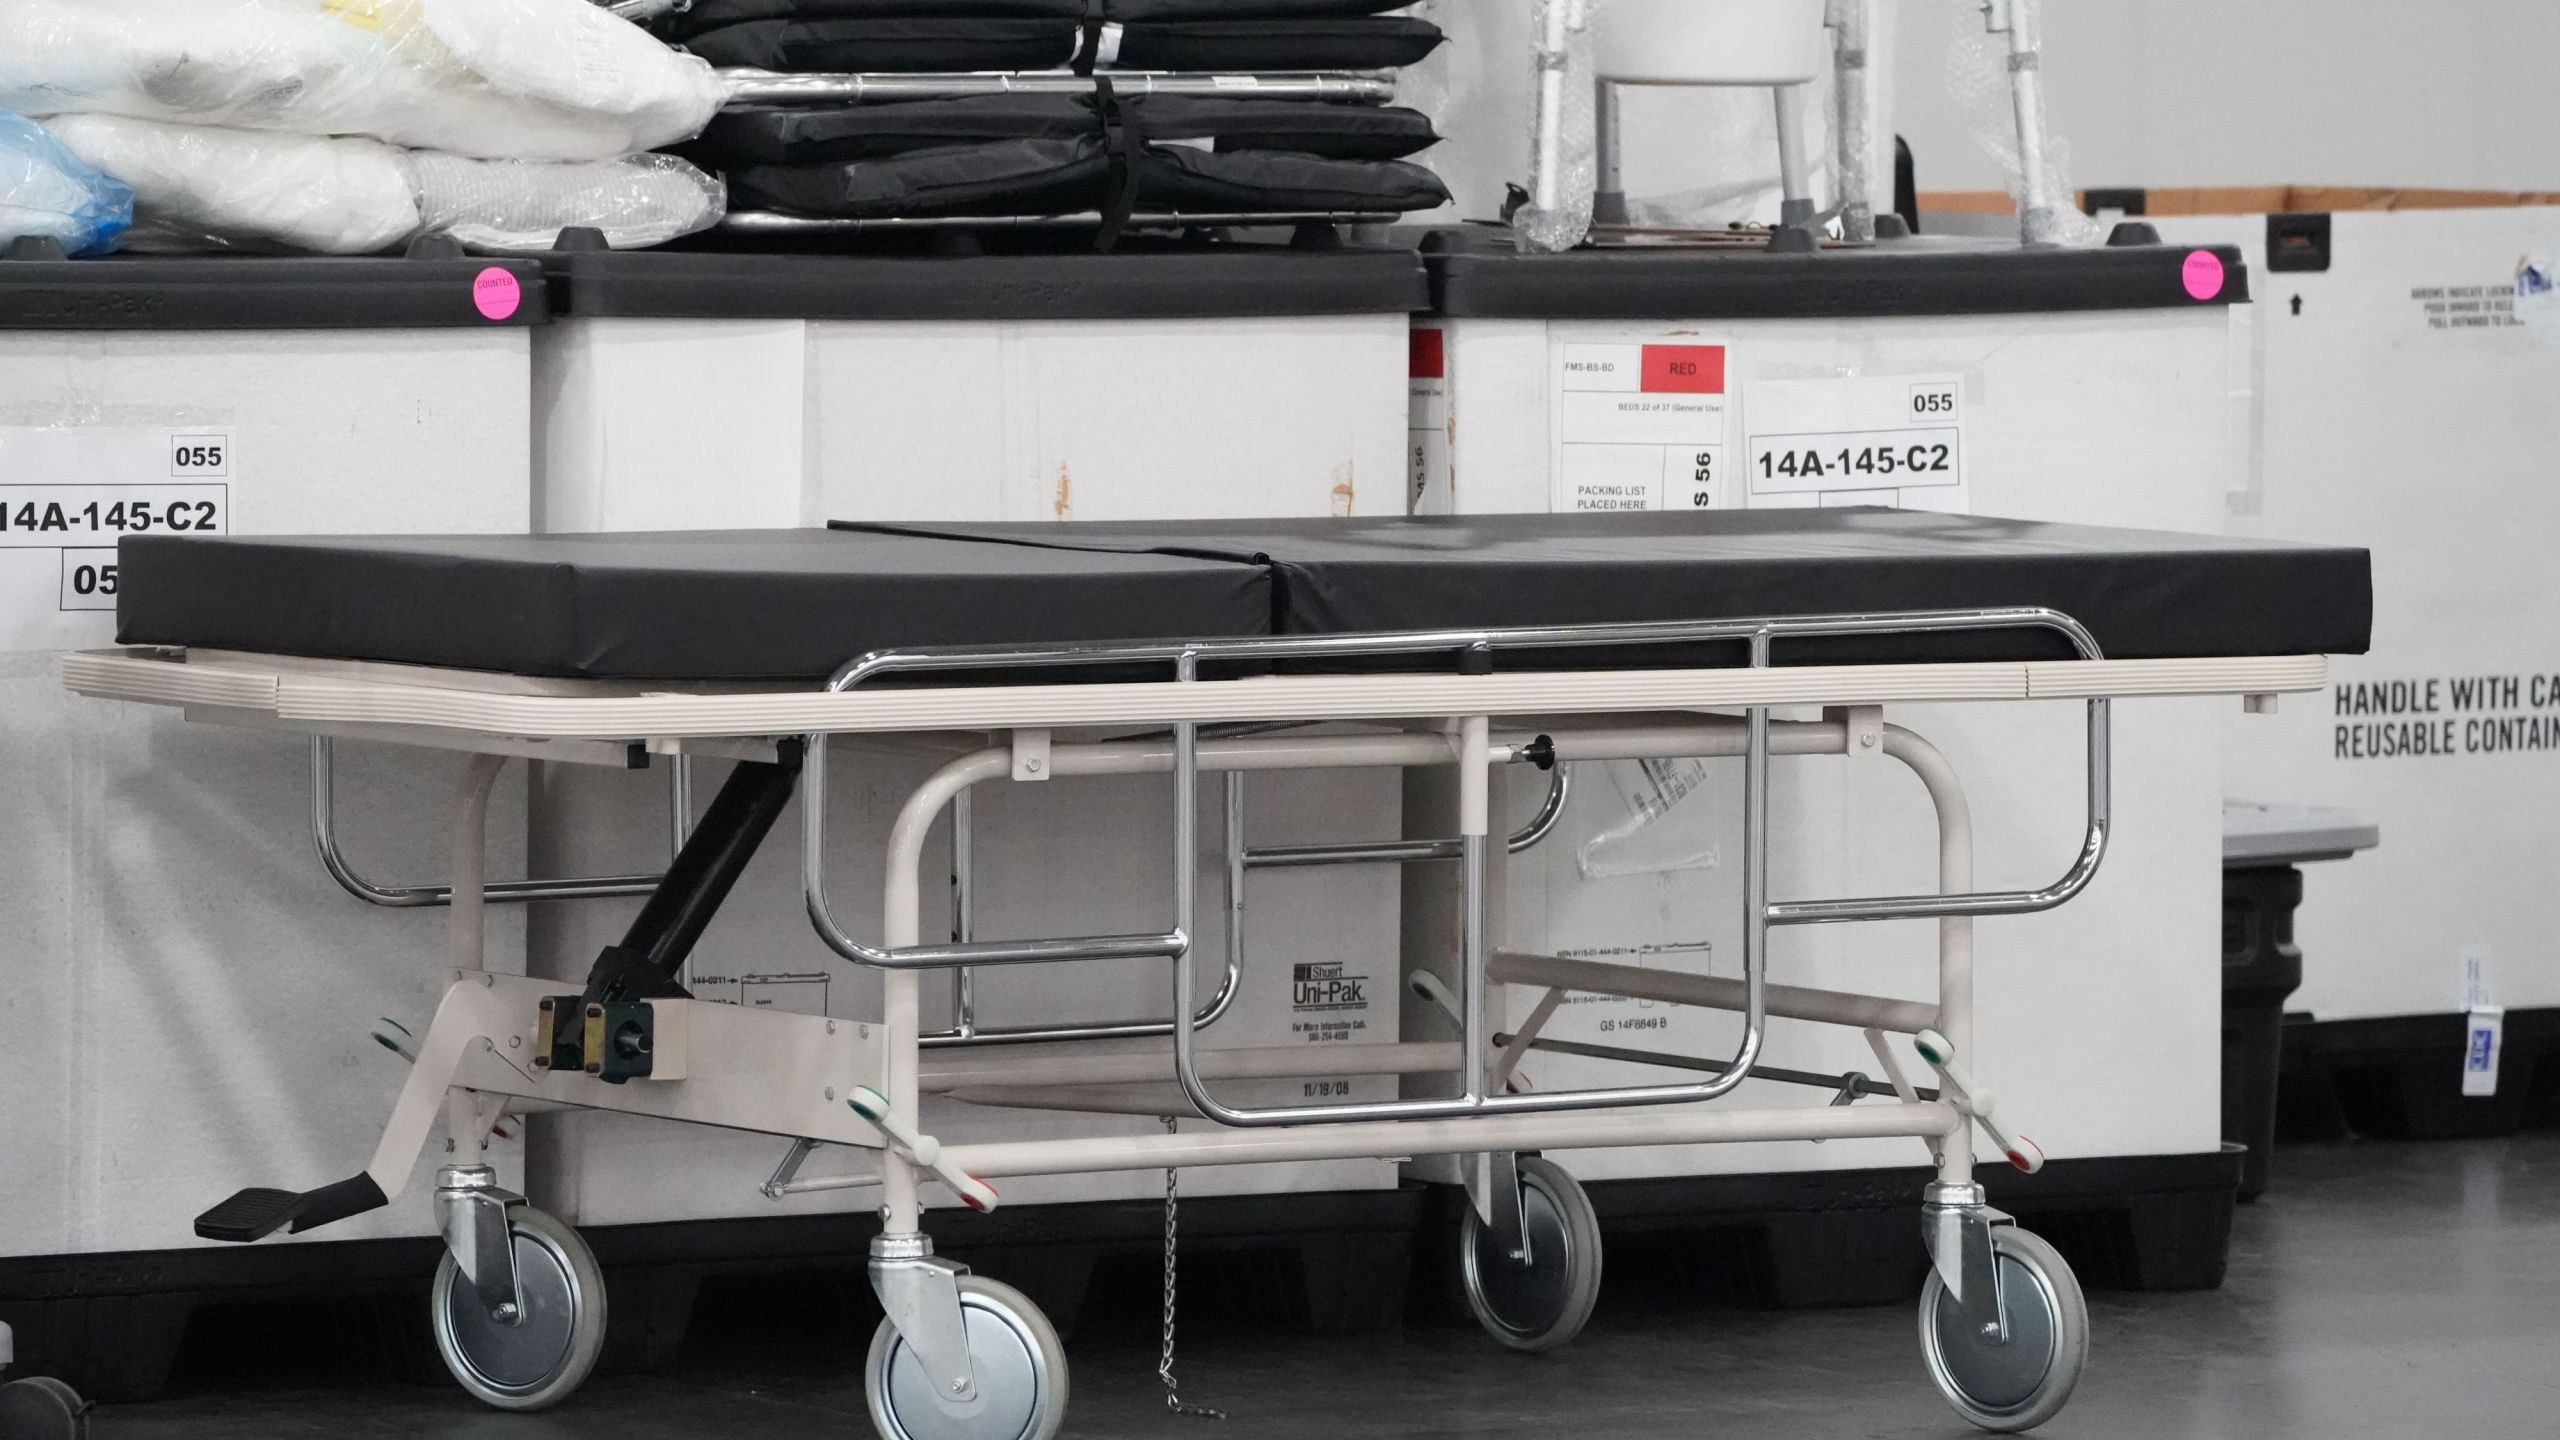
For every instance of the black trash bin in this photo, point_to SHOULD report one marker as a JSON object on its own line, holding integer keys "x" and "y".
{"x": 2261, "y": 967}
{"x": 2263, "y": 850}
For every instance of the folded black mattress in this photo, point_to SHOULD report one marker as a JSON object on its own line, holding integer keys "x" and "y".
{"x": 999, "y": 177}
{"x": 1062, "y": 176}
{"x": 711, "y": 14}
{"x": 721, "y": 605}
{"x": 909, "y": 44}
{"x": 1008, "y": 155}
{"x": 801, "y": 136}
{"x": 794, "y": 605}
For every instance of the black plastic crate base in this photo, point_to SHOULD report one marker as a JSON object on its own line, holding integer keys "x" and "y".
{"x": 2400, "y": 1078}
{"x": 1829, "y": 1239}
{"x": 128, "y": 1326}
{"x": 1326, "y": 1264}
{"x": 133, "y": 1325}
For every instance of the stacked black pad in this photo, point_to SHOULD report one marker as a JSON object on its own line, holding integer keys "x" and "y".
{"x": 898, "y": 45}
{"x": 707, "y": 15}
{"x": 924, "y": 43}
{"x": 1003, "y": 177}
{"x": 1271, "y": 181}
{"x": 1047, "y": 154}
{"x": 790, "y": 136}
{"x": 1057, "y": 177}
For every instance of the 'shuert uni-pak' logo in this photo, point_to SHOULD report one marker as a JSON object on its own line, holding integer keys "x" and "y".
{"x": 1329, "y": 987}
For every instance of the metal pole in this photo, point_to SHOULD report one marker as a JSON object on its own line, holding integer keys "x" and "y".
{"x": 964, "y": 916}
{"x": 1475, "y": 804}
{"x": 1609, "y": 206}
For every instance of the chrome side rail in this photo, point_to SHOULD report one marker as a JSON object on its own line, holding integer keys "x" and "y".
{"x": 2084, "y": 867}
{"x": 1411, "y": 852}
{"x": 324, "y": 838}
{"x": 1474, "y": 651}
{"x": 967, "y": 1032}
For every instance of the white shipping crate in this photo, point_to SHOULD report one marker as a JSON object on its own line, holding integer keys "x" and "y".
{"x": 2114, "y": 405}
{"x": 998, "y": 388}
{"x": 190, "y": 997}
{"x": 2405, "y": 390}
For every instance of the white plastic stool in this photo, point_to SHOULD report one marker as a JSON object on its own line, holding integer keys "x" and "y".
{"x": 1778, "y": 43}
{"x": 1773, "y": 43}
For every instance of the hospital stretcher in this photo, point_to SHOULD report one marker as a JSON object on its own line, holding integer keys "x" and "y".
{"x": 1445, "y": 649}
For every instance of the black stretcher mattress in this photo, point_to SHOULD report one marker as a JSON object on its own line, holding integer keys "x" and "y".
{"x": 684, "y": 605}
{"x": 2143, "y": 594}
{"x": 776, "y": 605}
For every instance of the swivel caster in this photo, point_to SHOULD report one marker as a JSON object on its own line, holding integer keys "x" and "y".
{"x": 1545, "y": 1303}
{"x": 540, "y": 1356}
{"x": 42, "y": 1409}
{"x": 1020, "y": 1369}
{"x": 2021, "y": 1382}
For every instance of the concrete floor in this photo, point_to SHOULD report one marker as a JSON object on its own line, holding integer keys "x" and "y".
{"x": 2378, "y": 1290}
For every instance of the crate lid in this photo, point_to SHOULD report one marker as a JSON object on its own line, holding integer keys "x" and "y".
{"x": 438, "y": 288}
{"x": 1478, "y": 274}
{"x": 2254, "y": 833}
{"x": 1191, "y": 282}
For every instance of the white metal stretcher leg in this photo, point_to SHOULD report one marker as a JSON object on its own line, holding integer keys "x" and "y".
{"x": 1955, "y": 932}
{"x": 919, "y": 1291}
{"x": 1956, "y": 1220}
{"x": 465, "y": 932}
{"x": 439, "y": 1059}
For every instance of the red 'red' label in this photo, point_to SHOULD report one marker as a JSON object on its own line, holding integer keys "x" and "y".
{"x": 1684, "y": 369}
{"x": 1430, "y": 355}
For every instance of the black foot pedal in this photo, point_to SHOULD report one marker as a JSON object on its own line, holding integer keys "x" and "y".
{"x": 257, "y": 1214}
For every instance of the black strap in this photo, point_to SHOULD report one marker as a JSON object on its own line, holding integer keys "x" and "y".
{"x": 1089, "y": 49}
{"x": 1125, "y": 141}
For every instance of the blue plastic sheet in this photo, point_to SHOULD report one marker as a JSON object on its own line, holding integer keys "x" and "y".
{"x": 47, "y": 191}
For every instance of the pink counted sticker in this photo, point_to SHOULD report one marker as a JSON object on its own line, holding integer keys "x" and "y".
{"x": 2203, "y": 274}
{"x": 497, "y": 293}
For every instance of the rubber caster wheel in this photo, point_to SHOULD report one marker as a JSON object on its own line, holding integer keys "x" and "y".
{"x": 1546, "y": 1304}
{"x": 2024, "y": 1383}
{"x": 41, "y": 1409}
{"x": 1021, "y": 1371}
{"x": 541, "y": 1357}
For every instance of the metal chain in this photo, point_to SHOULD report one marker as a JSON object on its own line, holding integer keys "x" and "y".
{"x": 1164, "y": 1368}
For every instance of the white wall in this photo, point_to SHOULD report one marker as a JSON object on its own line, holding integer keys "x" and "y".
{"x": 2457, "y": 93}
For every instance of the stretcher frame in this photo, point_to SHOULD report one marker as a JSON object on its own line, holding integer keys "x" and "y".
{"x": 815, "y": 1080}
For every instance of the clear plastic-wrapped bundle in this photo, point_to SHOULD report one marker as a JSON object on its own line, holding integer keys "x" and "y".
{"x": 491, "y": 79}
{"x": 637, "y": 201}
{"x": 198, "y": 187}
{"x": 2008, "y": 123}
{"x": 48, "y": 193}
{"x": 1565, "y": 139}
